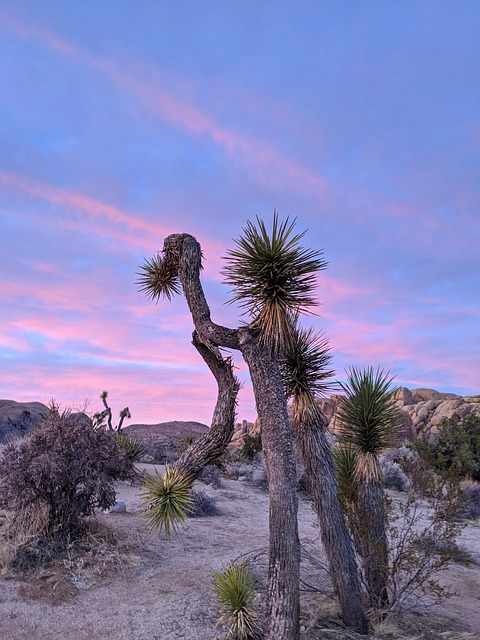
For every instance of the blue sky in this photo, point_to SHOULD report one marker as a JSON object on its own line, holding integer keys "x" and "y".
{"x": 122, "y": 122}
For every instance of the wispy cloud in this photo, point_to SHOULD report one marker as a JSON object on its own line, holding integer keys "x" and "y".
{"x": 267, "y": 164}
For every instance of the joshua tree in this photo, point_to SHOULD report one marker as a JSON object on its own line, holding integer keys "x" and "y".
{"x": 369, "y": 421}
{"x": 273, "y": 278}
{"x": 99, "y": 418}
{"x": 306, "y": 374}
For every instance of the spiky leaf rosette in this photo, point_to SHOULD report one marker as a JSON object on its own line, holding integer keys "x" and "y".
{"x": 235, "y": 590}
{"x": 167, "y": 499}
{"x": 305, "y": 372}
{"x": 368, "y": 417}
{"x": 273, "y": 277}
{"x": 158, "y": 277}
{"x": 132, "y": 448}
{"x": 345, "y": 458}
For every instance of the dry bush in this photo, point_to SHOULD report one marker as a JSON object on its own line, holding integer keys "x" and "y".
{"x": 65, "y": 465}
{"x": 203, "y": 505}
{"x": 422, "y": 545}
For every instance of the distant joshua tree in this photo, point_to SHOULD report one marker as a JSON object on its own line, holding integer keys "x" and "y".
{"x": 100, "y": 417}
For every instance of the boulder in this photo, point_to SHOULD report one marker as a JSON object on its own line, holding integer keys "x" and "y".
{"x": 19, "y": 418}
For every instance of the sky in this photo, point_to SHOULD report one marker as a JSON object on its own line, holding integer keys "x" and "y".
{"x": 122, "y": 122}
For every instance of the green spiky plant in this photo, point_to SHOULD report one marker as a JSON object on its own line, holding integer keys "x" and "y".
{"x": 167, "y": 499}
{"x": 368, "y": 417}
{"x": 273, "y": 277}
{"x": 132, "y": 448}
{"x": 235, "y": 591}
{"x": 306, "y": 371}
{"x": 369, "y": 421}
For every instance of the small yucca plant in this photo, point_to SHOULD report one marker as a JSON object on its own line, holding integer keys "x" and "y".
{"x": 306, "y": 372}
{"x": 132, "y": 448}
{"x": 235, "y": 590}
{"x": 167, "y": 499}
{"x": 273, "y": 277}
{"x": 368, "y": 417}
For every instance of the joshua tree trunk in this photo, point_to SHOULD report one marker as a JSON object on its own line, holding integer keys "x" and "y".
{"x": 212, "y": 444}
{"x": 182, "y": 254}
{"x": 322, "y": 484}
{"x": 374, "y": 551}
{"x": 284, "y": 567}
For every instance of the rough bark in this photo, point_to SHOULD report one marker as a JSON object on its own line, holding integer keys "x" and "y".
{"x": 213, "y": 444}
{"x": 183, "y": 253}
{"x": 277, "y": 442}
{"x": 373, "y": 541}
{"x": 322, "y": 483}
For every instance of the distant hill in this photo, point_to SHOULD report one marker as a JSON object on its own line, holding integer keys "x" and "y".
{"x": 161, "y": 440}
{"x": 166, "y": 430}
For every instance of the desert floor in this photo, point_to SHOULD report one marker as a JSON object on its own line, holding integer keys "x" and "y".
{"x": 162, "y": 590}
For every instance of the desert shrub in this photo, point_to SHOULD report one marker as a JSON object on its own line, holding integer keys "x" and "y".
{"x": 235, "y": 591}
{"x": 251, "y": 446}
{"x": 423, "y": 544}
{"x": 211, "y": 475}
{"x": 164, "y": 452}
{"x": 456, "y": 448}
{"x": 65, "y": 465}
{"x": 393, "y": 476}
{"x": 470, "y": 508}
{"x": 202, "y": 504}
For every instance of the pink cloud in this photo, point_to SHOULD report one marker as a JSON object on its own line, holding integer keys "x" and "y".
{"x": 268, "y": 163}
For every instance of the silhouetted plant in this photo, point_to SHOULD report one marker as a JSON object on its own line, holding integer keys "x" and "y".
{"x": 106, "y": 415}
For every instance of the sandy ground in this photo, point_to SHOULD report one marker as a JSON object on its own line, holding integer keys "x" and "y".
{"x": 168, "y": 594}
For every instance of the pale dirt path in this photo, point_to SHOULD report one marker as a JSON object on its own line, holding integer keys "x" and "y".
{"x": 170, "y": 597}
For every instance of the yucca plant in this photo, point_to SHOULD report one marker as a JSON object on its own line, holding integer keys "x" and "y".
{"x": 368, "y": 417}
{"x": 167, "y": 499}
{"x": 306, "y": 373}
{"x": 132, "y": 448}
{"x": 235, "y": 591}
{"x": 369, "y": 421}
{"x": 273, "y": 277}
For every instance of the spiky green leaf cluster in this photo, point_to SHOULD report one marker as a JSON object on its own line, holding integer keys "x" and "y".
{"x": 273, "y": 277}
{"x": 132, "y": 448}
{"x": 346, "y": 459}
{"x": 235, "y": 590}
{"x": 305, "y": 370}
{"x": 368, "y": 417}
{"x": 158, "y": 277}
{"x": 167, "y": 499}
